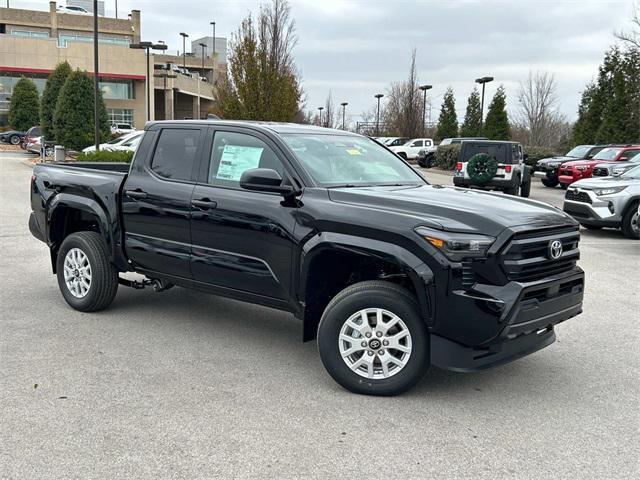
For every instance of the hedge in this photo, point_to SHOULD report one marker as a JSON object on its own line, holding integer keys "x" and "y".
{"x": 447, "y": 156}
{"x": 105, "y": 156}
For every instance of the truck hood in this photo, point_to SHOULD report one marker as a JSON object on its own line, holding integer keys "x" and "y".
{"x": 576, "y": 163}
{"x": 560, "y": 159}
{"x": 453, "y": 209}
{"x": 603, "y": 182}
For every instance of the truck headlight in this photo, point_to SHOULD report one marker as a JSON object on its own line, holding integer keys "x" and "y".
{"x": 608, "y": 191}
{"x": 457, "y": 246}
{"x": 619, "y": 170}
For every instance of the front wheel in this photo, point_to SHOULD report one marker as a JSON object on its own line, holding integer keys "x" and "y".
{"x": 87, "y": 280}
{"x": 14, "y": 140}
{"x": 631, "y": 223}
{"x": 372, "y": 339}
{"x": 550, "y": 182}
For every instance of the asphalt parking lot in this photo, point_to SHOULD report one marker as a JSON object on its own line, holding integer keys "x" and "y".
{"x": 184, "y": 385}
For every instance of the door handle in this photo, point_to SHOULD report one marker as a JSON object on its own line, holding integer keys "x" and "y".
{"x": 204, "y": 204}
{"x": 135, "y": 194}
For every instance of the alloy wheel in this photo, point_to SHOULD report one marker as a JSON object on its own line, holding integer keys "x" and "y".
{"x": 77, "y": 273}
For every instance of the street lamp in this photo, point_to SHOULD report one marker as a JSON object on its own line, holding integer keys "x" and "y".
{"x": 320, "y": 109}
{"x": 378, "y": 96}
{"x": 184, "y": 50}
{"x": 424, "y": 88}
{"x": 213, "y": 55}
{"x": 96, "y": 80}
{"x": 344, "y": 108}
{"x": 148, "y": 46}
{"x": 482, "y": 81}
{"x": 203, "y": 45}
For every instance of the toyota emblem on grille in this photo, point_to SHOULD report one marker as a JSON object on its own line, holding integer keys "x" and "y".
{"x": 555, "y": 249}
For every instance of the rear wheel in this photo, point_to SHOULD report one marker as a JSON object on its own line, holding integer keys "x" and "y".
{"x": 87, "y": 280}
{"x": 525, "y": 189}
{"x": 372, "y": 339}
{"x": 631, "y": 222}
{"x": 550, "y": 182}
{"x": 14, "y": 139}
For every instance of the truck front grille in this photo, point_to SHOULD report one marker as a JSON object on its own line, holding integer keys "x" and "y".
{"x": 528, "y": 256}
{"x": 576, "y": 196}
{"x": 600, "y": 172}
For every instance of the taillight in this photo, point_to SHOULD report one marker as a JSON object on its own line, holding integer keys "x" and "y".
{"x": 459, "y": 166}
{"x": 507, "y": 168}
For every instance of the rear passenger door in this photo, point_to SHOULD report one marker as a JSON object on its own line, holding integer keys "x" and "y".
{"x": 241, "y": 240}
{"x": 156, "y": 200}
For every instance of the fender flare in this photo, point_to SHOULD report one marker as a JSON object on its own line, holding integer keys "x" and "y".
{"x": 76, "y": 202}
{"x": 418, "y": 271}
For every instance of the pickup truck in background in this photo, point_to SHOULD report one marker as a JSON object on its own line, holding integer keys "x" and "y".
{"x": 547, "y": 168}
{"x": 389, "y": 273}
{"x": 573, "y": 171}
{"x": 410, "y": 150}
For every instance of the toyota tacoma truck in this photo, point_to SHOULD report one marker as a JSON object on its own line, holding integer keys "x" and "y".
{"x": 389, "y": 273}
{"x": 573, "y": 171}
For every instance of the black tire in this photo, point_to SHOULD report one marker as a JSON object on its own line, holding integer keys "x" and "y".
{"x": 104, "y": 277}
{"x": 591, "y": 227}
{"x": 373, "y": 294}
{"x": 550, "y": 182}
{"x": 631, "y": 223}
{"x": 14, "y": 139}
{"x": 525, "y": 189}
{"x": 421, "y": 162}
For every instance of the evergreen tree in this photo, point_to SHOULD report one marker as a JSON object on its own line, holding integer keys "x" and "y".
{"x": 473, "y": 117}
{"x": 25, "y": 105}
{"x": 448, "y": 120}
{"x": 52, "y": 89}
{"x": 73, "y": 117}
{"x": 585, "y": 128}
{"x": 613, "y": 128}
{"x": 496, "y": 126}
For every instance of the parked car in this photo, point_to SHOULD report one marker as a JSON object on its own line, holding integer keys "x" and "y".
{"x": 124, "y": 141}
{"x": 409, "y": 151}
{"x": 612, "y": 202}
{"x": 30, "y": 136}
{"x": 573, "y": 171}
{"x": 14, "y": 137}
{"x": 616, "y": 168}
{"x": 547, "y": 168}
{"x": 122, "y": 128}
{"x": 390, "y": 273}
{"x": 35, "y": 146}
{"x": 395, "y": 141}
{"x": 73, "y": 10}
{"x": 427, "y": 156}
{"x": 493, "y": 165}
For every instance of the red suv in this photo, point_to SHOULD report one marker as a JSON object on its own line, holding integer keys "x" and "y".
{"x": 573, "y": 171}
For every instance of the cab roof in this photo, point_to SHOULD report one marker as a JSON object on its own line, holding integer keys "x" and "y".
{"x": 275, "y": 127}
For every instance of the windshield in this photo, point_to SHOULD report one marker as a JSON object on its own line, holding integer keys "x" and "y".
{"x": 607, "y": 154}
{"x": 346, "y": 160}
{"x": 579, "y": 152}
{"x": 633, "y": 174}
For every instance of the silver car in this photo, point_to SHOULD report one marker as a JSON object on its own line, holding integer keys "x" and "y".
{"x": 607, "y": 202}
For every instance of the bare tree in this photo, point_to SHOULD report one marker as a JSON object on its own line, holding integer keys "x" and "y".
{"x": 632, "y": 37}
{"x": 403, "y": 111}
{"x": 538, "y": 116}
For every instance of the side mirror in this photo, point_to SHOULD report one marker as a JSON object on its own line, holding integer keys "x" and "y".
{"x": 264, "y": 180}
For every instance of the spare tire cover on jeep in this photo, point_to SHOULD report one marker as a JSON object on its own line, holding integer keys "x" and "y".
{"x": 482, "y": 168}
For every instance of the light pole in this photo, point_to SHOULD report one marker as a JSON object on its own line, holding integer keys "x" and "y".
{"x": 320, "y": 109}
{"x": 147, "y": 46}
{"x": 116, "y": 8}
{"x": 344, "y": 108}
{"x": 213, "y": 55}
{"x": 184, "y": 49}
{"x": 203, "y": 46}
{"x": 378, "y": 96}
{"x": 96, "y": 80}
{"x": 424, "y": 89}
{"x": 483, "y": 81}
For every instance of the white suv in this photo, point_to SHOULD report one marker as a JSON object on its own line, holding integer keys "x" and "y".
{"x": 409, "y": 151}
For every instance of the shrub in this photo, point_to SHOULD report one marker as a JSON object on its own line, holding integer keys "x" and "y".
{"x": 73, "y": 118}
{"x": 24, "y": 110}
{"x": 447, "y": 156}
{"x": 52, "y": 89}
{"x": 538, "y": 153}
{"x": 105, "y": 156}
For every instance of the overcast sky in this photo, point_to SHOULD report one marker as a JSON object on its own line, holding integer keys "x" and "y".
{"x": 355, "y": 48}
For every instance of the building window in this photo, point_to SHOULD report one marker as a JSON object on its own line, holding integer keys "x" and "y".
{"x": 117, "y": 89}
{"x": 8, "y": 81}
{"x": 120, "y": 115}
{"x": 29, "y": 33}
{"x": 65, "y": 38}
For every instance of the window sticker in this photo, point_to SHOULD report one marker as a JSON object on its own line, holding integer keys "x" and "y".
{"x": 353, "y": 151}
{"x": 236, "y": 159}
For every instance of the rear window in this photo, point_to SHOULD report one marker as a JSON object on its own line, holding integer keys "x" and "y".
{"x": 175, "y": 153}
{"x": 497, "y": 151}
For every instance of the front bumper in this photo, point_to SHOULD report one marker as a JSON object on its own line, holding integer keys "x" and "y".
{"x": 605, "y": 211}
{"x": 515, "y": 319}
{"x": 493, "y": 183}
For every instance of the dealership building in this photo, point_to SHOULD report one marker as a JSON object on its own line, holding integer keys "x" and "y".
{"x": 33, "y": 42}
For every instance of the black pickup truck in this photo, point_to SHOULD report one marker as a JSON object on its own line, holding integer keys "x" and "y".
{"x": 390, "y": 273}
